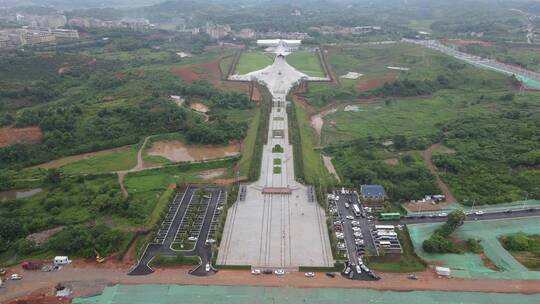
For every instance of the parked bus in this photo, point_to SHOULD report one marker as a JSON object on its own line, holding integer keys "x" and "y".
{"x": 393, "y": 216}
{"x": 356, "y": 210}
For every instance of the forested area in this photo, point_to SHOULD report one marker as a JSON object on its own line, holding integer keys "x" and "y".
{"x": 72, "y": 203}
{"x": 88, "y": 100}
{"x": 497, "y": 157}
{"x": 365, "y": 161}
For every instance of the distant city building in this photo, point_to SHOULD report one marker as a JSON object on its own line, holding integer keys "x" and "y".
{"x": 284, "y": 35}
{"x": 15, "y": 38}
{"x": 246, "y": 33}
{"x": 89, "y": 22}
{"x": 346, "y": 30}
{"x": 66, "y": 34}
{"x": 217, "y": 31}
{"x": 48, "y": 21}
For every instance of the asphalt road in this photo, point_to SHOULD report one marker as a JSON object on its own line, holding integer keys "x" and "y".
{"x": 486, "y": 216}
{"x": 201, "y": 248}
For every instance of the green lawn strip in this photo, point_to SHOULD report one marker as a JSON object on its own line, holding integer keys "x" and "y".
{"x": 252, "y": 61}
{"x": 306, "y": 62}
{"x": 110, "y": 162}
{"x": 178, "y": 260}
{"x": 311, "y": 166}
{"x": 408, "y": 261}
{"x": 248, "y": 145}
{"x": 225, "y": 64}
{"x": 277, "y": 161}
{"x": 277, "y": 169}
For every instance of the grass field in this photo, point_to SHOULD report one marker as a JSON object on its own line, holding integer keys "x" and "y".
{"x": 252, "y": 61}
{"x": 115, "y": 161}
{"x": 409, "y": 117}
{"x": 373, "y": 61}
{"x": 306, "y": 62}
{"x": 148, "y": 185}
{"x": 248, "y": 145}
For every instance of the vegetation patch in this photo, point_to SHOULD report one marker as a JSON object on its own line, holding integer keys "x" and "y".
{"x": 308, "y": 164}
{"x": 524, "y": 248}
{"x": 363, "y": 162}
{"x": 178, "y": 260}
{"x": 496, "y": 159}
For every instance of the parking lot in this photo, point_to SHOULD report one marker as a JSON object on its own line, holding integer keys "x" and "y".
{"x": 188, "y": 228}
{"x": 353, "y": 231}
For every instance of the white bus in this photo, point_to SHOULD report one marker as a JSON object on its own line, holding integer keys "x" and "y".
{"x": 356, "y": 210}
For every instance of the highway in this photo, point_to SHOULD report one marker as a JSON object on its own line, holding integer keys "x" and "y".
{"x": 501, "y": 215}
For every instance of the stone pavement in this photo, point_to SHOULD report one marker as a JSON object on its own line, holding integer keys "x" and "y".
{"x": 276, "y": 230}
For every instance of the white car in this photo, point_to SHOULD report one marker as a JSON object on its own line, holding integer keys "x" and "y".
{"x": 355, "y": 223}
{"x": 210, "y": 241}
{"x": 479, "y": 212}
{"x": 347, "y": 270}
{"x": 443, "y": 214}
{"x": 347, "y": 205}
{"x": 207, "y": 267}
{"x": 349, "y": 217}
{"x": 279, "y": 272}
{"x": 358, "y": 234}
{"x": 192, "y": 238}
{"x": 358, "y": 269}
{"x": 16, "y": 276}
{"x": 360, "y": 262}
{"x": 309, "y": 274}
{"x": 359, "y": 242}
{"x": 356, "y": 229}
{"x": 255, "y": 271}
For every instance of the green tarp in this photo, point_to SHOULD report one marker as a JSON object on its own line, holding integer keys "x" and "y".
{"x": 169, "y": 294}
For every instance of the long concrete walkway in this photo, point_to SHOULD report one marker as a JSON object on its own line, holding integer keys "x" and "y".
{"x": 276, "y": 223}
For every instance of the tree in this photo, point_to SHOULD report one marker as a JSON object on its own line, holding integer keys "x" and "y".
{"x": 54, "y": 176}
{"x": 455, "y": 219}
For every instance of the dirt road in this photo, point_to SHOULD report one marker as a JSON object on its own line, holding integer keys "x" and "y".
{"x": 91, "y": 280}
{"x": 427, "y": 155}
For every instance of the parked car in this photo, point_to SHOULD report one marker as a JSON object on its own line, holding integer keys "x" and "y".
{"x": 356, "y": 229}
{"x": 207, "y": 267}
{"x": 16, "y": 276}
{"x": 347, "y": 270}
{"x": 279, "y": 272}
{"x": 480, "y": 212}
{"x": 347, "y": 205}
{"x": 309, "y": 274}
{"x": 349, "y": 217}
{"x": 255, "y": 271}
{"x": 358, "y": 269}
{"x": 331, "y": 274}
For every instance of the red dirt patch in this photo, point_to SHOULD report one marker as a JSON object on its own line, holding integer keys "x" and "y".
{"x": 370, "y": 83}
{"x": 10, "y": 136}
{"x": 186, "y": 73}
{"x": 460, "y": 42}
{"x": 210, "y": 72}
{"x": 256, "y": 96}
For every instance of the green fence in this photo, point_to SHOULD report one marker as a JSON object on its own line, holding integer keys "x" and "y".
{"x": 471, "y": 265}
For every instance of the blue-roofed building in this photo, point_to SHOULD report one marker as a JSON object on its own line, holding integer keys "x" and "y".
{"x": 372, "y": 192}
